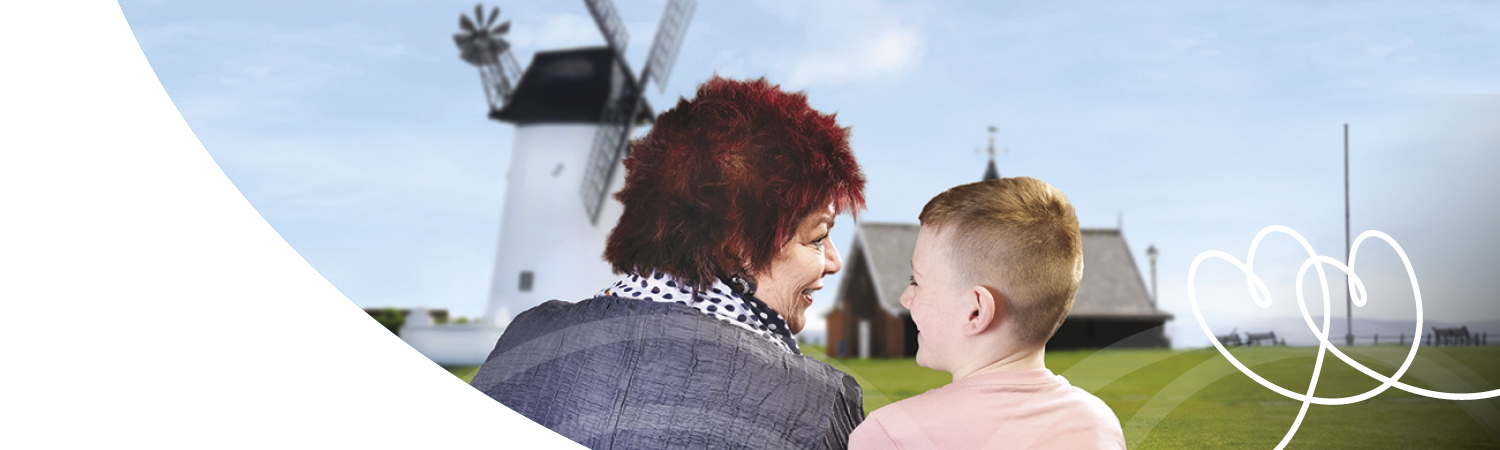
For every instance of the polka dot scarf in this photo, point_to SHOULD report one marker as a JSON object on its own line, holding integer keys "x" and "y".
{"x": 719, "y": 301}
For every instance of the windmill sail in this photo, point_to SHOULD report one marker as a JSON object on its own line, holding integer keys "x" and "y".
{"x": 668, "y": 39}
{"x": 610, "y": 25}
{"x": 611, "y": 141}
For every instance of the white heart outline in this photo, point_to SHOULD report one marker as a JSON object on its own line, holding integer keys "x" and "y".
{"x": 1359, "y": 297}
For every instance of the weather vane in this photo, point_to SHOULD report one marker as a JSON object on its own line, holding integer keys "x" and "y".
{"x": 990, "y": 171}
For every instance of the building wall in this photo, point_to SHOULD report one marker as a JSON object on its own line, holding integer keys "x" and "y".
{"x": 1107, "y": 332}
{"x": 895, "y": 337}
{"x": 893, "y": 329}
{"x": 837, "y": 333}
{"x": 453, "y": 345}
{"x": 891, "y": 336}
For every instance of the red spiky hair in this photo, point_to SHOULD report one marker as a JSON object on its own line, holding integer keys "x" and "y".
{"x": 722, "y": 181}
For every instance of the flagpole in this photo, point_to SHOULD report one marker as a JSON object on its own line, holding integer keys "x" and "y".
{"x": 1348, "y": 296}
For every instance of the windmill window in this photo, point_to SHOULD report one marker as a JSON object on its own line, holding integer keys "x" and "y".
{"x": 526, "y": 279}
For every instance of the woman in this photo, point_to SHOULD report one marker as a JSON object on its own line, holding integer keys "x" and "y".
{"x": 728, "y": 203}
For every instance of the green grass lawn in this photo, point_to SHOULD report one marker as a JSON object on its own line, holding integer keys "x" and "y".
{"x": 464, "y": 372}
{"x": 1196, "y": 398}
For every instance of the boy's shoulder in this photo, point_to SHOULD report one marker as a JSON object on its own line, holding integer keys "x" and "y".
{"x": 1016, "y": 390}
{"x": 1015, "y": 407}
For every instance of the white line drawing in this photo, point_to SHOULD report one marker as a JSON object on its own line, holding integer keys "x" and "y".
{"x": 1262, "y": 297}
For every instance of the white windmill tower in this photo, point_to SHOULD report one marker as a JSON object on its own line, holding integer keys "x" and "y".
{"x": 574, "y": 111}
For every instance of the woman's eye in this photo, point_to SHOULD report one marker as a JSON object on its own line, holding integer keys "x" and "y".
{"x": 820, "y": 241}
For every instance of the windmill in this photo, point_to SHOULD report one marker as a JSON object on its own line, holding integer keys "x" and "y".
{"x": 480, "y": 43}
{"x": 574, "y": 111}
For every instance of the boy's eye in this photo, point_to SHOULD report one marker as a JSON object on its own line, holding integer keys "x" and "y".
{"x": 913, "y": 279}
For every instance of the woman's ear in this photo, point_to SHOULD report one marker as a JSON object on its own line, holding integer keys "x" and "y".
{"x": 733, "y": 261}
{"x": 985, "y": 309}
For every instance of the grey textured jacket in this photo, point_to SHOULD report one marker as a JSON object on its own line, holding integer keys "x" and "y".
{"x": 613, "y": 373}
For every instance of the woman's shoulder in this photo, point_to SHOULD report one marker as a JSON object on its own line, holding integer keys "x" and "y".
{"x": 617, "y": 319}
{"x": 604, "y": 305}
{"x": 592, "y": 342}
{"x": 553, "y": 314}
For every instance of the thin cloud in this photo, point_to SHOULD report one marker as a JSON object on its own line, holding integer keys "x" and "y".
{"x": 541, "y": 31}
{"x": 846, "y": 42}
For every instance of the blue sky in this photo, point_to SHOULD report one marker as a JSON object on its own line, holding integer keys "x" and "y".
{"x": 360, "y": 136}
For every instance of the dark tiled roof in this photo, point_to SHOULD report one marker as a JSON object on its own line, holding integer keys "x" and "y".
{"x": 888, "y": 248}
{"x": 1111, "y": 287}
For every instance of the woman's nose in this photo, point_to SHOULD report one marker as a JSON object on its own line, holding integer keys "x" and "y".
{"x": 833, "y": 263}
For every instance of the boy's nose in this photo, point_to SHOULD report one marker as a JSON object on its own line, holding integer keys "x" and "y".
{"x": 832, "y": 262}
{"x": 906, "y": 296}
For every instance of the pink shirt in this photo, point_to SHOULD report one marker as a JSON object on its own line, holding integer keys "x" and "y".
{"x": 1020, "y": 409}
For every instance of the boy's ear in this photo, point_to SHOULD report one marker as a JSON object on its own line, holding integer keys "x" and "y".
{"x": 985, "y": 309}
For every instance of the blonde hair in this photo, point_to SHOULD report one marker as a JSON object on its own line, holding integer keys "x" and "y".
{"x": 1018, "y": 236}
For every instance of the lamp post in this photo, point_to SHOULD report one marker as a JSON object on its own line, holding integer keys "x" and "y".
{"x": 1151, "y": 255}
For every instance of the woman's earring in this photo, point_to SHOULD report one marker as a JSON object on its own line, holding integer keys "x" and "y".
{"x": 743, "y": 283}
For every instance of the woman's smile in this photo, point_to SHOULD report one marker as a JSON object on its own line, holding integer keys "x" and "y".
{"x": 798, "y": 269}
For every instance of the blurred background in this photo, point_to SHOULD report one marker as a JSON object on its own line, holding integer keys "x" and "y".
{"x": 357, "y": 132}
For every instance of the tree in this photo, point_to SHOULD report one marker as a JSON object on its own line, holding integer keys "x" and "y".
{"x": 391, "y": 319}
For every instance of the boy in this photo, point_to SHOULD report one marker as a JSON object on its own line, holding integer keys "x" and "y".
{"x": 995, "y": 268}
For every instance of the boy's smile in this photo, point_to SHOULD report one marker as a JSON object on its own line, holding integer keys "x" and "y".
{"x": 934, "y": 300}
